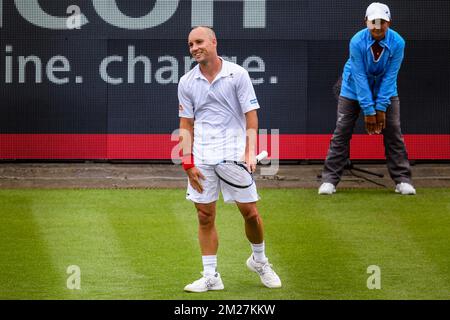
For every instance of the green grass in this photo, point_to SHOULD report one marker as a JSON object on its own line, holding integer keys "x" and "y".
{"x": 142, "y": 244}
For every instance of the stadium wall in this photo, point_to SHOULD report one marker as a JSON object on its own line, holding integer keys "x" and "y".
{"x": 97, "y": 79}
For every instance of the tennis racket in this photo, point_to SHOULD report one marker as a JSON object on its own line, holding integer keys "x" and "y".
{"x": 235, "y": 173}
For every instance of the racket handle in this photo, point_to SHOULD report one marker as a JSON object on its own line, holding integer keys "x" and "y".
{"x": 261, "y": 156}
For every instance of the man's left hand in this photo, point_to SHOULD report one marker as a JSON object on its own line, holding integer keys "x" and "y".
{"x": 250, "y": 161}
{"x": 381, "y": 121}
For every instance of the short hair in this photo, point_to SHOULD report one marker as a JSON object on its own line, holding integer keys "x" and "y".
{"x": 209, "y": 30}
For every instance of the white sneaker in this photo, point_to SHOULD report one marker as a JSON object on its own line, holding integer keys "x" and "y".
{"x": 405, "y": 188}
{"x": 327, "y": 188}
{"x": 205, "y": 283}
{"x": 268, "y": 277}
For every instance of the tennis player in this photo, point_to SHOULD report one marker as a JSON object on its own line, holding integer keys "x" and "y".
{"x": 218, "y": 121}
{"x": 369, "y": 83}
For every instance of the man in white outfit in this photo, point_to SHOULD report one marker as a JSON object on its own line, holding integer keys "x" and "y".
{"x": 218, "y": 121}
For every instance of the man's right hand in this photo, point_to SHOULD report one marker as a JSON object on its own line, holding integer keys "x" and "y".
{"x": 371, "y": 124}
{"x": 194, "y": 178}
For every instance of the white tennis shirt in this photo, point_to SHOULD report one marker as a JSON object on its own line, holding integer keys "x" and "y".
{"x": 218, "y": 110}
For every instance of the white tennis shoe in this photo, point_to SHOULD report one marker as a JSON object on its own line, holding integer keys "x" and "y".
{"x": 268, "y": 277}
{"x": 205, "y": 283}
{"x": 405, "y": 188}
{"x": 327, "y": 188}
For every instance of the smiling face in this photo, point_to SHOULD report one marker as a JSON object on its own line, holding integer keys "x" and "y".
{"x": 202, "y": 45}
{"x": 378, "y": 28}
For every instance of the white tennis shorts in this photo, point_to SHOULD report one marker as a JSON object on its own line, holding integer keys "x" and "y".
{"x": 211, "y": 186}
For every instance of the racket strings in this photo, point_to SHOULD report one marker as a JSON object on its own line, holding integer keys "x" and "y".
{"x": 234, "y": 174}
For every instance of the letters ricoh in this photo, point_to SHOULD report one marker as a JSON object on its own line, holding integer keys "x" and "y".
{"x": 202, "y": 13}
{"x": 166, "y": 69}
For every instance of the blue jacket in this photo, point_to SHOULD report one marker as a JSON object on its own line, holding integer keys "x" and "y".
{"x": 372, "y": 83}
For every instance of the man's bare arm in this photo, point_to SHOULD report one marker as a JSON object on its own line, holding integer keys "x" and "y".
{"x": 186, "y": 143}
{"x": 251, "y": 119}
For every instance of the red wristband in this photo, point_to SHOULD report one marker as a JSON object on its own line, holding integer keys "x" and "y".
{"x": 188, "y": 161}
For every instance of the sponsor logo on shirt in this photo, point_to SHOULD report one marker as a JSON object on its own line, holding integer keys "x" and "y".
{"x": 254, "y": 101}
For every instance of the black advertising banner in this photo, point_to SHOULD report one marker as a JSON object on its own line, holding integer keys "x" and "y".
{"x": 97, "y": 79}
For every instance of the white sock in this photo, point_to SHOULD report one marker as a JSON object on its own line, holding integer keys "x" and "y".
{"x": 209, "y": 265}
{"x": 258, "y": 252}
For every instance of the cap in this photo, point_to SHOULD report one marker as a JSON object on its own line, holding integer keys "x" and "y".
{"x": 378, "y": 11}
